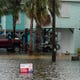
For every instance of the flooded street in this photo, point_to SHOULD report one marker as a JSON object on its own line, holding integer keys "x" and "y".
{"x": 44, "y": 69}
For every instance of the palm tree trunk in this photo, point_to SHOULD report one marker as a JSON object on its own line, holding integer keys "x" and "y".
{"x": 38, "y": 26}
{"x": 31, "y": 30}
{"x": 14, "y": 26}
{"x": 38, "y": 37}
{"x": 31, "y": 27}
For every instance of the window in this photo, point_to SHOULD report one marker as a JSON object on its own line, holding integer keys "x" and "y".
{"x": 64, "y": 11}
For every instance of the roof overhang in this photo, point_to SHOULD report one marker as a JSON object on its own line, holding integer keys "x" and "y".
{"x": 71, "y": 0}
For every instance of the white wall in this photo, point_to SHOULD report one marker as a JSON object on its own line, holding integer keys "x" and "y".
{"x": 66, "y": 41}
{"x": 4, "y": 24}
{"x": 76, "y": 39}
{"x": 27, "y": 22}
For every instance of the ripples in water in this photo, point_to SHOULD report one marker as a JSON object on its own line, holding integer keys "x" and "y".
{"x": 43, "y": 70}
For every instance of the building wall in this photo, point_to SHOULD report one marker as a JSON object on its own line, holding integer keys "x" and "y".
{"x": 9, "y": 22}
{"x": 27, "y": 23}
{"x": 4, "y": 22}
{"x": 66, "y": 41}
{"x": 70, "y": 42}
{"x": 76, "y": 39}
{"x": 73, "y": 21}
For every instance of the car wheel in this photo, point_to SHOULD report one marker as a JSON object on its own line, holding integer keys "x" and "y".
{"x": 9, "y": 50}
{"x": 48, "y": 49}
{"x": 16, "y": 48}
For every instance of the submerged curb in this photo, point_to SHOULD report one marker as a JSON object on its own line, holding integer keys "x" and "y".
{"x": 25, "y": 57}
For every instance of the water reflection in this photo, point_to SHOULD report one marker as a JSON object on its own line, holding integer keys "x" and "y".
{"x": 44, "y": 70}
{"x": 29, "y": 76}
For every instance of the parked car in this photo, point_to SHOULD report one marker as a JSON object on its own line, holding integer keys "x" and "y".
{"x": 10, "y": 44}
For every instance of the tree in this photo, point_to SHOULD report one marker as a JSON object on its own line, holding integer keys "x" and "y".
{"x": 40, "y": 15}
{"x": 2, "y": 7}
{"x": 54, "y": 6}
{"x": 10, "y": 7}
{"x": 29, "y": 10}
{"x": 13, "y": 8}
{"x": 57, "y": 6}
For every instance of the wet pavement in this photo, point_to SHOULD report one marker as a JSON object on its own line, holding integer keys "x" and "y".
{"x": 44, "y": 69}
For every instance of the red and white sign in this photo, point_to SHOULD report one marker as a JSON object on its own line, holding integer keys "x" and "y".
{"x": 26, "y": 68}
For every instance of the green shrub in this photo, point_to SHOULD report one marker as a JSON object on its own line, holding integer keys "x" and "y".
{"x": 78, "y": 50}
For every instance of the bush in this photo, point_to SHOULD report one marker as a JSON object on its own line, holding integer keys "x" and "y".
{"x": 78, "y": 50}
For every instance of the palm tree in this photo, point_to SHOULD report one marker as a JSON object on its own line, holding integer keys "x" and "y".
{"x": 2, "y": 7}
{"x": 37, "y": 9}
{"x": 42, "y": 17}
{"x": 38, "y": 13}
{"x": 10, "y": 7}
{"x": 54, "y": 6}
{"x": 29, "y": 10}
{"x": 57, "y": 6}
{"x": 31, "y": 27}
{"x": 13, "y": 8}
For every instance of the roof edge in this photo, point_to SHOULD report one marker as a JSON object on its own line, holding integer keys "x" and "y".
{"x": 71, "y": 0}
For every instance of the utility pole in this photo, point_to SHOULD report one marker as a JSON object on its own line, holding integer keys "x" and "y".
{"x": 53, "y": 32}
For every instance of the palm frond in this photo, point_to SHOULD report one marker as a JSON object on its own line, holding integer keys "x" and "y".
{"x": 43, "y": 17}
{"x": 57, "y": 6}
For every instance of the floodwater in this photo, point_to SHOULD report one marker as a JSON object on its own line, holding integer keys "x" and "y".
{"x": 44, "y": 69}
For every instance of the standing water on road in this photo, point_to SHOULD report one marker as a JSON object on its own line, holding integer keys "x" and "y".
{"x": 43, "y": 69}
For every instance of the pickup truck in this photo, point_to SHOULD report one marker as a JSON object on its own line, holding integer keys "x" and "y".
{"x": 10, "y": 44}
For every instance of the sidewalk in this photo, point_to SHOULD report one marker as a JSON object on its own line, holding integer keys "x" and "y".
{"x": 26, "y": 56}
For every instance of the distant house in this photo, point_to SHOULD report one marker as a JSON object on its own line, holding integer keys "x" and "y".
{"x": 68, "y": 25}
